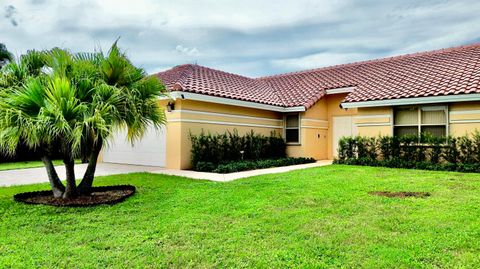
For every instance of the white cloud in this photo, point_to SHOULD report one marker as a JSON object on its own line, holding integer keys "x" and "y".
{"x": 318, "y": 60}
{"x": 248, "y": 14}
{"x": 187, "y": 51}
{"x": 250, "y": 37}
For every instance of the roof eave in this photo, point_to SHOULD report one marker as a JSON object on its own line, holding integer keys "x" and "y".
{"x": 229, "y": 101}
{"x": 414, "y": 101}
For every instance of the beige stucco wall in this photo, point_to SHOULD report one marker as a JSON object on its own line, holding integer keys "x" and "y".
{"x": 464, "y": 118}
{"x": 316, "y": 125}
{"x": 194, "y": 116}
{"x": 316, "y": 128}
{"x": 313, "y": 133}
{"x": 374, "y": 121}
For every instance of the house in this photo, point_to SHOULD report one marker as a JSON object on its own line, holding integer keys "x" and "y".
{"x": 436, "y": 91}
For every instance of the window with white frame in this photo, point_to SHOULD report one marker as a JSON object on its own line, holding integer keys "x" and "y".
{"x": 421, "y": 119}
{"x": 292, "y": 128}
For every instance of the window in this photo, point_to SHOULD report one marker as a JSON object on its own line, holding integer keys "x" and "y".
{"x": 418, "y": 120}
{"x": 292, "y": 128}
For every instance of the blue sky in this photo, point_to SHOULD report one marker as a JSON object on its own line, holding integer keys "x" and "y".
{"x": 248, "y": 37}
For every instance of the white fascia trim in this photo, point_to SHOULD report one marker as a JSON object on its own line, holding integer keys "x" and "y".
{"x": 222, "y": 115}
{"x": 226, "y": 123}
{"x": 340, "y": 90}
{"x": 415, "y": 101}
{"x": 292, "y": 109}
{"x": 233, "y": 102}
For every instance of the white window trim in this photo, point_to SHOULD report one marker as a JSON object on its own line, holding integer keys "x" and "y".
{"x": 298, "y": 127}
{"x": 419, "y": 123}
{"x": 447, "y": 119}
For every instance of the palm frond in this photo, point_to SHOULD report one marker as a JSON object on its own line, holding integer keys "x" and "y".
{"x": 60, "y": 61}
{"x": 33, "y": 61}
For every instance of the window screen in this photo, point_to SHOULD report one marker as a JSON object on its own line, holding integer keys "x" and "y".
{"x": 406, "y": 130}
{"x": 434, "y": 117}
{"x": 292, "y": 128}
{"x": 416, "y": 120}
{"x": 408, "y": 116}
{"x": 437, "y": 131}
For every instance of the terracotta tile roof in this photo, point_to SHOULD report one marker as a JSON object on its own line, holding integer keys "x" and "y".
{"x": 441, "y": 72}
{"x": 204, "y": 80}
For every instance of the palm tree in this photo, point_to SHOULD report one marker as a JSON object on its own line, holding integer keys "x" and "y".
{"x": 75, "y": 103}
{"x": 15, "y": 73}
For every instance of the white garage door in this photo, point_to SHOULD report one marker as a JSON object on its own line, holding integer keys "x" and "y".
{"x": 151, "y": 150}
{"x": 342, "y": 126}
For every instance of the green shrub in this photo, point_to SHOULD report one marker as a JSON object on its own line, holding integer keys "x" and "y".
{"x": 476, "y": 145}
{"x": 436, "y": 146}
{"x": 425, "y": 152}
{"x": 209, "y": 150}
{"x": 346, "y": 149}
{"x": 259, "y": 164}
{"x": 451, "y": 151}
{"x": 205, "y": 166}
{"x": 385, "y": 147}
{"x": 465, "y": 150}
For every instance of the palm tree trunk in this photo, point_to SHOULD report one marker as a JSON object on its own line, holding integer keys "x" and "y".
{"x": 71, "y": 189}
{"x": 85, "y": 187}
{"x": 57, "y": 187}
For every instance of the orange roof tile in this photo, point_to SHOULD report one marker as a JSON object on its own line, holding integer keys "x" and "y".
{"x": 440, "y": 72}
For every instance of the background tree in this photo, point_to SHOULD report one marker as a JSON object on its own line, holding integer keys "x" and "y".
{"x": 5, "y": 55}
{"x": 76, "y": 102}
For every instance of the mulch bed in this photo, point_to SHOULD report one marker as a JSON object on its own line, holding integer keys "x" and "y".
{"x": 400, "y": 194}
{"x": 100, "y": 195}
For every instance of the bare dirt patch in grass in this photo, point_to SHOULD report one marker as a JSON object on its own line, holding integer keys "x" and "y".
{"x": 100, "y": 195}
{"x": 401, "y": 194}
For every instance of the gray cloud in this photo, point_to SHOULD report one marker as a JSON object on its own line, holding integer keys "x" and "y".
{"x": 250, "y": 37}
{"x": 38, "y": 2}
{"x": 10, "y": 13}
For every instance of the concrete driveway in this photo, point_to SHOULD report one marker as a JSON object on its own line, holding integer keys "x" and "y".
{"x": 39, "y": 175}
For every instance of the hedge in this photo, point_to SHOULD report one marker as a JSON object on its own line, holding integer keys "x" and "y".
{"x": 425, "y": 152}
{"x": 230, "y": 146}
{"x": 237, "y": 166}
{"x": 22, "y": 154}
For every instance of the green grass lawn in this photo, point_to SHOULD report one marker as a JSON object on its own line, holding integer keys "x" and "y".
{"x": 28, "y": 164}
{"x": 320, "y": 217}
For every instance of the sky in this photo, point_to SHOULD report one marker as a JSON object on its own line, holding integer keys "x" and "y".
{"x": 248, "y": 37}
